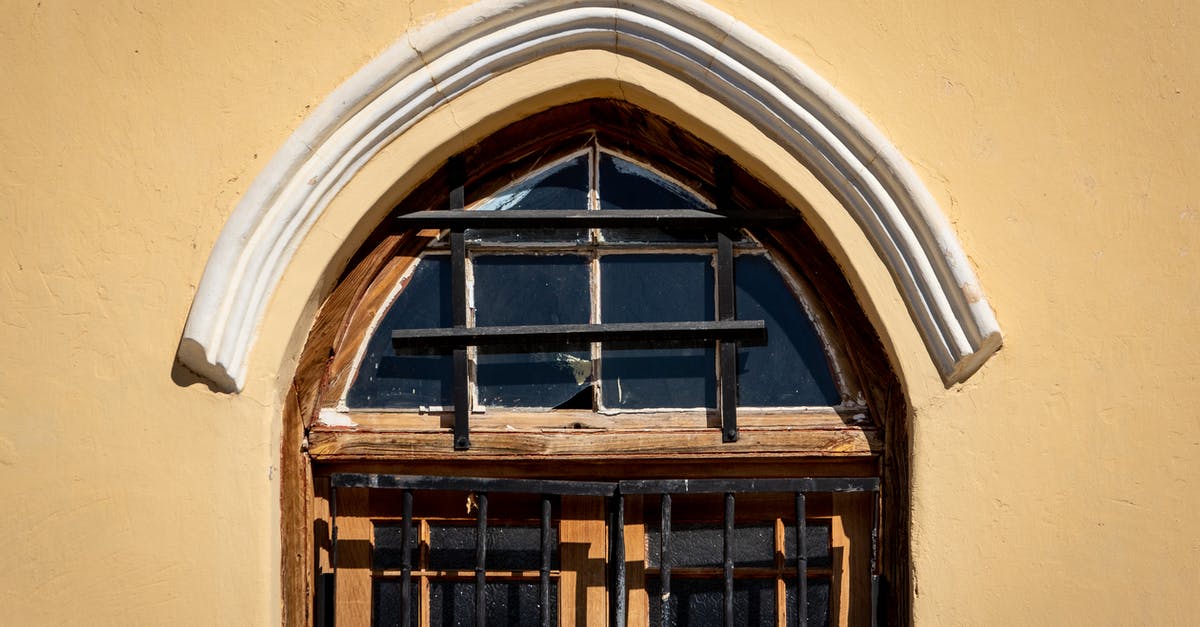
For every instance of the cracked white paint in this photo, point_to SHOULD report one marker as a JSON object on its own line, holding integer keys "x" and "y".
{"x": 335, "y": 418}
{"x": 710, "y": 50}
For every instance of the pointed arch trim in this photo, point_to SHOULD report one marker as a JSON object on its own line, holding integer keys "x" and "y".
{"x": 708, "y": 49}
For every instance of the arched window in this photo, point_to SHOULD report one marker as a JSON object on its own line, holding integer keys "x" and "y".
{"x": 592, "y": 370}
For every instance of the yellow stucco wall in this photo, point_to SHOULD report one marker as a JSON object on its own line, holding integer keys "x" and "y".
{"x": 1059, "y": 485}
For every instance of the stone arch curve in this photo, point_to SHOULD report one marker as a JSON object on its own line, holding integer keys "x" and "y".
{"x": 710, "y": 50}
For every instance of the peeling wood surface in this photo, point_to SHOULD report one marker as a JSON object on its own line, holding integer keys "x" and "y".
{"x": 596, "y": 444}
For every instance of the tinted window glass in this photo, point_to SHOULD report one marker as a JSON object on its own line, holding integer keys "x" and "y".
{"x": 386, "y": 379}
{"x": 564, "y": 186}
{"x": 515, "y": 603}
{"x": 623, "y": 184}
{"x": 386, "y": 602}
{"x": 657, "y": 288}
{"x": 703, "y": 544}
{"x": 791, "y": 370}
{"x": 818, "y": 601}
{"x": 528, "y": 290}
{"x": 701, "y": 602}
{"x": 508, "y": 547}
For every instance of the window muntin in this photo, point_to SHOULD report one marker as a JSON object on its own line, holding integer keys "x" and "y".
{"x": 555, "y": 276}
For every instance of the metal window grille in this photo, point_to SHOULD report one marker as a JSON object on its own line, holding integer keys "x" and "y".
{"x": 615, "y": 492}
{"x": 726, "y": 331}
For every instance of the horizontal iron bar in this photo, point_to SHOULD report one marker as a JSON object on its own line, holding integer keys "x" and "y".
{"x": 747, "y": 332}
{"x": 473, "y": 484}
{"x": 581, "y": 218}
{"x": 604, "y": 488}
{"x": 716, "y": 486}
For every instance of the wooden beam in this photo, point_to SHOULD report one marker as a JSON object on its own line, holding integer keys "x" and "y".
{"x": 593, "y": 444}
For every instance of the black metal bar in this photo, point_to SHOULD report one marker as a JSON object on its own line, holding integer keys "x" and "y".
{"x": 462, "y": 392}
{"x": 608, "y": 218}
{"x": 545, "y": 572}
{"x": 728, "y": 559}
{"x": 664, "y": 563}
{"x": 326, "y": 602}
{"x": 563, "y": 335}
{"x": 875, "y": 599}
{"x": 801, "y": 562}
{"x": 333, "y": 555}
{"x": 406, "y": 560}
{"x": 617, "y": 561}
{"x": 718, "y": 486}
{"x": 457, "y": 175}
{"x": 472, "y": 484}
{"x": 481, "y": 509}
{"x": 726, "y": 350}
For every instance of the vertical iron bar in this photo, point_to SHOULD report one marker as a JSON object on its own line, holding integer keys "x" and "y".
{"x": 456, "y": 173}
{"x": 801, "y": 562}
{"x": 481, "y": 514}
{"x": 728, "y": 559}
{"x": 618, "y": 561}
{"x": 875, "y": 514}
{"x": 406, "y": 537}
{"x": 664, "y": 562}
{"x": 333, "y": 556}
{"x": 546, "y": 549}
{"x": 726, "y": 308}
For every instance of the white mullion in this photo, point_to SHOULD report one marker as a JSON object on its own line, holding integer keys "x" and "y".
{"x": 472, "y": 351}
{"x": 594, "y": 272}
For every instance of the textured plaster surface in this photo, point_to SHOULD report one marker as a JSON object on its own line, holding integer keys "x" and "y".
{"x": 1059, "y": 485}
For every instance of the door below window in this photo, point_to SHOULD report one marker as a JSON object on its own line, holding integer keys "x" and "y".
{"x": 428, "y": 551}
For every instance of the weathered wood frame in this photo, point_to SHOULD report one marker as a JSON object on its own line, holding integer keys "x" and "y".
{"x": 819, "y": 439}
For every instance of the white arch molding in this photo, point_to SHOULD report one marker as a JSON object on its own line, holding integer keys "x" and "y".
{"x": 708, "y": 49}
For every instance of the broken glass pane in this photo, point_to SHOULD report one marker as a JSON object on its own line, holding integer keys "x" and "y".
{"x": 792, "y": 369}
{"x": 657, "y": 288}
{"x": 559, "y": 187}
{"x": 623, "y": 184}
{"x": 388, "y": 380}
{"x": 530, "y": 290}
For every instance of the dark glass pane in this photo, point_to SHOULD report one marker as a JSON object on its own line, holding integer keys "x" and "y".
{"x": 388, "y": 552}
{"x": 515, "y": 603}
{"x": 508, "y": 547}
{"x": 388, "y": 380}
{"x": 792, "y": 369}
{"x": 701, "y": 602}
{"x": 528, "y": 289}
{"x": 657, "y": 288}
{"x": 386, "y": 608}
{"x": 625, "y": 185}
{"x": 816, "y": 538}
{"x": 564, "y": 186}
{"x": 819, "y": 589}
{"x": 703, "y": 544}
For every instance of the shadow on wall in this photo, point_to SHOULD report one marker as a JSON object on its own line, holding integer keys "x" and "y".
{"x": 186, "y": 377}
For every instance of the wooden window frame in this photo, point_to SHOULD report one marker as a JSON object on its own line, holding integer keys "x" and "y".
{"x": 816, "y": 442}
